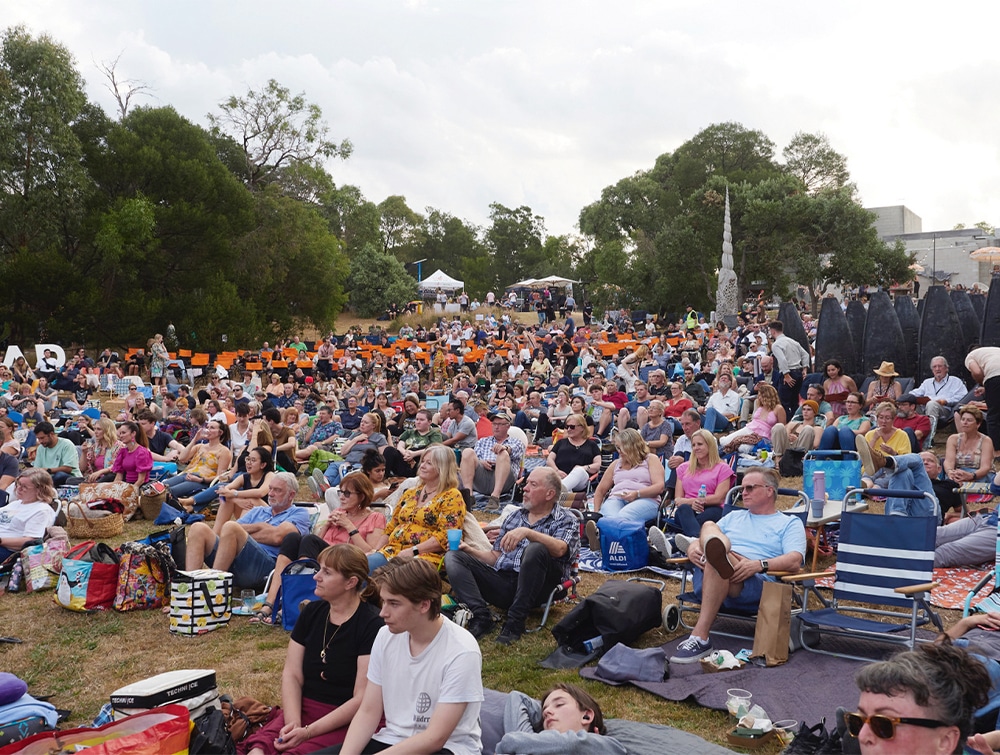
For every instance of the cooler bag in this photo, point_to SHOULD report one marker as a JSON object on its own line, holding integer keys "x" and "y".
{"x": 297, "y": 585}
{"x": 623, "y": 544}
{"x": 195, "y": 689}
{"x": 842, "y": 470}
{"x": 200, "y": 601}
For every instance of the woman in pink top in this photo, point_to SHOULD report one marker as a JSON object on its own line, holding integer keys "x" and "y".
{"x": 768, "y": 413}
{"x": 704, "y": 468}
{"x": 134, "y": 462}
{"x": 632, "y": 486}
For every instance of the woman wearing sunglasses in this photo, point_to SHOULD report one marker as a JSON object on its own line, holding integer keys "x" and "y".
{"x": 919, "y": 701}
{"x": 576, "y": 456}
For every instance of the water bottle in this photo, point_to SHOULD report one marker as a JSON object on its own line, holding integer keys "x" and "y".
{"x": 594, "y": 643}
{"x": 819, "y": 494}
{"x": 702, "y": 491}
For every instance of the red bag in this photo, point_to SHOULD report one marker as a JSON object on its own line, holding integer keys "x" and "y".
{"x": 89, "y": 577}
{"x": 161, "y": 731}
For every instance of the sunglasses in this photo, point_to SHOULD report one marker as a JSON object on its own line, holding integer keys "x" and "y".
{"x": 751, "y": 488}
{"x": 572, "y": 427}
{"x": 347, "y": 491}
{"x": 884, "y": 727}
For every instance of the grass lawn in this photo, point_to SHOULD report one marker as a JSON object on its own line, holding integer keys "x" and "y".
{"x": 81, "y": 658}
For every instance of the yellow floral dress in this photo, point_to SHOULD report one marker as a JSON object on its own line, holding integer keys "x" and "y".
{"x": 412, "y": 523}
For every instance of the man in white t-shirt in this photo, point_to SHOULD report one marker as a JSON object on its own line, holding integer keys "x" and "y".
{"x": 424, "y": 676}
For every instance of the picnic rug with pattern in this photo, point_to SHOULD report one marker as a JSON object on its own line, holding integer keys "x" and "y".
{"x": 954, "y": 584}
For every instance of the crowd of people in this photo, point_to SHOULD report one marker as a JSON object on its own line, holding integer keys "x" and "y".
{"x": 448, "y": 413}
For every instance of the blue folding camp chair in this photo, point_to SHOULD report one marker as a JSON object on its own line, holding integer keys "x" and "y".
{"x": 883, "y": 561}
{"x": 991, "y": 602}
{"x": 688, "y": 602}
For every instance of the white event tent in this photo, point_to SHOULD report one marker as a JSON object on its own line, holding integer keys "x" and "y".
{"x": 441, "y": 280}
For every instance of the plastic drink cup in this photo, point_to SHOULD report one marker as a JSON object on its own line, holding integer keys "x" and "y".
{"x": 454, "y": 538}
{"x": 249, "y": 599}
{"x": 738, "y": 702}
{"x": 785, "y": 730}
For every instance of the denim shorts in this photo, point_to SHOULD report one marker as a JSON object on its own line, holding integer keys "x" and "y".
{"x": 251, "y": 566}
{"x": 749, "y": 598}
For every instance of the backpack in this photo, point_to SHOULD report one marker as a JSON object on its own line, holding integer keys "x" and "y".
{"x": 297, "y": 585}
{"x": 617, "y": 611}
{"x": 210, "y": 736}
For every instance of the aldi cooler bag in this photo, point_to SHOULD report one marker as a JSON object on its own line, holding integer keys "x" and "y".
{"x": 623, "y": 544}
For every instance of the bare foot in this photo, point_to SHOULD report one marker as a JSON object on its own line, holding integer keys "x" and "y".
{"x": 187, "y": 503}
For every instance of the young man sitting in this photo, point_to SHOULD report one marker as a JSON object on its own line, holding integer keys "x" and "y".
{"x": 424, "y": 676}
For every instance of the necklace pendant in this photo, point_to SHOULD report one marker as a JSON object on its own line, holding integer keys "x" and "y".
{"x": 322, "y": 656}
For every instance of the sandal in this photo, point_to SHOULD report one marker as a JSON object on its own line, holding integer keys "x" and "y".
{"x": 262, "y": 618}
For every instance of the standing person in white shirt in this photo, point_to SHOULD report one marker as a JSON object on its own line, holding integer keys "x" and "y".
{"x": 424, "y": 676}
{"x": 984, "y": 366}
{"x": 942, "y": 391}
{"x": 791, "y": 364}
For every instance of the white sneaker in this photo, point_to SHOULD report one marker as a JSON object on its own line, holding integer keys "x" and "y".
{"x": 683, "y": 542}
{"x": 658, "y": 541}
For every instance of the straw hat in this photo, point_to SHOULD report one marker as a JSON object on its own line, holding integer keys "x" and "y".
{"x": 887, "y": 369}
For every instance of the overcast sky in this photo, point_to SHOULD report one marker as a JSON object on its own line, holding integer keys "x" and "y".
{"x": 457, "y": 104}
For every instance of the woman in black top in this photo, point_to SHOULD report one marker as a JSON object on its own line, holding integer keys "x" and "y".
{"x": 326, "y": 666}
{"x": 576, "y": 457}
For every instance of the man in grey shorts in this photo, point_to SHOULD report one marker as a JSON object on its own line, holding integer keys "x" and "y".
{"x": 490, "y": 467}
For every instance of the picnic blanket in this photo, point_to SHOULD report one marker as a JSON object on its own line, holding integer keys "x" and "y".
{"x": 954, "y": 584}
{"x": 809, "y": 687}
{"x": 590, "y": 561}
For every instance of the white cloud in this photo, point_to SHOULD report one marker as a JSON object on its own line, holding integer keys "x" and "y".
{"x": 458, "y": 104}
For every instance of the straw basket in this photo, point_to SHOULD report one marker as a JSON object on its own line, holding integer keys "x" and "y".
{"x": 151, "y": 505}
{"x": 84, "y": 524}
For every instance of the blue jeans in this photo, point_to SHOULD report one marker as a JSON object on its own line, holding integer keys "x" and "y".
{"x": 910, "y": 475}
{"x": 375, "y": 560}
{"x": 690, "y": 522}
{"x": 336, "y": 471}
{"x": 181, "y": 487}
{"x": 715, "y": 422}
{"x": 834, "y": 438}
{"x": 639, "y": 510}
{"x": 206, "y": 496}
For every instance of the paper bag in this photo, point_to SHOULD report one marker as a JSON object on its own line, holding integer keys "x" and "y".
{"x": 774, "y": 619}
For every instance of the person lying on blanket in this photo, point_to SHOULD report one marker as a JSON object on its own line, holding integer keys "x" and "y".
{"x": 567, "y": 722}
{"x": 733, "y": 557}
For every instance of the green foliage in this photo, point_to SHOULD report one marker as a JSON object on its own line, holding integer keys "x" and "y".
{"x": 400, "y": 228}
{"x": 377, "y": 280}
{"x": 275, "y": 128}
{"x": 657, "y": 235}
{"x": 811, "y": 159}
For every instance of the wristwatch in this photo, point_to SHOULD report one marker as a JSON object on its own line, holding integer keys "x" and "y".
{"x": 415, "y": 551}
{"x": 763, "y": 566}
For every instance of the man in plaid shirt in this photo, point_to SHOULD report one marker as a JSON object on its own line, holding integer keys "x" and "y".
{"x": 491, "y": 466}
{"x": 533, "y": 551}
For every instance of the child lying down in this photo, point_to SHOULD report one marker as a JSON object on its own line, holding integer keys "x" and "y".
{"x": 567, "y": 722}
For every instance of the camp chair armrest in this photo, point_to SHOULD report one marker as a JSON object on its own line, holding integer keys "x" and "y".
{"x": 913, "y": 589}
{"x": 802, "y": 577}
{"x": 781, "y": 574}
{"x": 679, "y": 560}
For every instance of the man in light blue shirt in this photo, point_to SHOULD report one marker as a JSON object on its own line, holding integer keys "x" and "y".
{"x": 249, "y": 547}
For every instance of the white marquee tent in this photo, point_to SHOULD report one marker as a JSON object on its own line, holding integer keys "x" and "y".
{"x": 441, "y": 280}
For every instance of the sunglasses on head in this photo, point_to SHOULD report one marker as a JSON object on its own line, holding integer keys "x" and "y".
{"x": 884, "y": 727}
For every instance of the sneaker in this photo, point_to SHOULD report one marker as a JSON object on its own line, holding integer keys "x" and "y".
{"x": 683, "y": 542}
{"x": 871, "y": 460}
{"x": 320, "y": 479}
{"x": 315, "y": 488}
{"x": 493, "y": 503}
{"x": 717, "y": 555}
{"x": 593, "y": 536}
{"x": 510, "y": 634}
{"x": 809, "y": 741}
{"x": 692, "y": 650}
{"x": 480, "y": 626}
{"x": 658, "y": 541}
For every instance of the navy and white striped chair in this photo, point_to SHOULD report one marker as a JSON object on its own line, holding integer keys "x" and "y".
{"x": 885, "y": 563}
